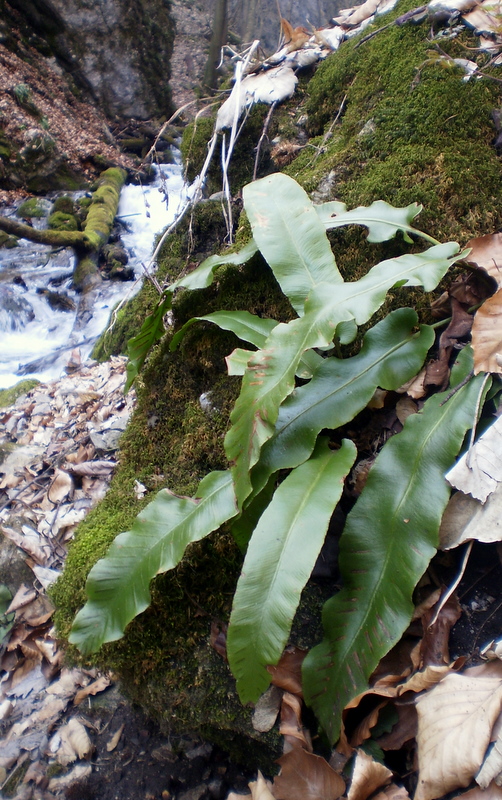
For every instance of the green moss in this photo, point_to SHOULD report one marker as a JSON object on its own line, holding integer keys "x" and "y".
{"x": 64, "y": 204}
{"x": 9, "y": 396}
{"x": 8, "y": 241}
{"x": 31, "y": 208}
{"x": 165, "y": 659}
{"x": 410, "y": 132}
{"x": 62, "y": 221}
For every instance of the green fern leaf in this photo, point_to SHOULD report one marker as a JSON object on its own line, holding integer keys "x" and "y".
{"x": 280, "y": 557}
{"x": 389, "y": 538}
{"x": 118, "y": 585}
{"x": 391, "y": 354}
{"x": 270, "y": 374}
{"x": 290, "y": 235}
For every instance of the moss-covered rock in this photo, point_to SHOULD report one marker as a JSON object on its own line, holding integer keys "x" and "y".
{"x": 33, "y": 207}
{"x": 64, "y": 204}
{"x": 61, "y": 221}
{"x": 409, "y": 132}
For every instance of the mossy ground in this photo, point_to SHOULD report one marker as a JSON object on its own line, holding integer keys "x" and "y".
{"x": 9, "y": 396}
{"x": 404, "y": 136}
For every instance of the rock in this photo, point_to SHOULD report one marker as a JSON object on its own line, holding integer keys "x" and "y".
{"x": 13, "y": 568}
{"x": 15, "y": 311}
{"x": 193, "y": 794}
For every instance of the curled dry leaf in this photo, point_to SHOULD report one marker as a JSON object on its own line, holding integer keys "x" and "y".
{"x": 291, "y": 723}
{"x": 455, "y": 720}
{"x": 434, "y": 645}
{"x": 260, "y": 789}
{"x": 486, "y": 252}
{"x": 266, "y": 710}
{"x": 93, "y": 688}
{"x": 493, "y": 792}
{"x": 61, "y": 486}
{"x": 75, "y": 742}
{"x": 392, "y": 792}
{"x": 466, "y": 518}
{"x": 112, "y": 744}
{"x": 287, "y": 674}
{"x": 487, "y": 336}
{"x": 479, "y": 471}
{"x": 305, "y": 776}
{"x": 405, "y": 728}
{"x": 368, "y": 776}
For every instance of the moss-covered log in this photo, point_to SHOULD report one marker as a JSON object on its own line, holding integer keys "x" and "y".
{"x": 87, "y": 243}
{"x": 50, "y": 237}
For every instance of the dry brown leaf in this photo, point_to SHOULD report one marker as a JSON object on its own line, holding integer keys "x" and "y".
{"x": 305, "y": 776}
{"x": 479, "y": 471}
{"x": 368, "y": 776}
{"x": 434, "y": 648}
{"x": 78, "y": 773}
{"x": 466, "y": 518}
{"x": 96, "y": 468}
{"x": 405, "y": 407}
{"x": 350, "y": 17}
{"x": 287, "y": 674}
{"x": 487, "y": 336}
{"x": 291, "y": 723}
{"x": 392, "y": 792}
{"x": 492, "y": 766}
{"x": 61, "y": 486}
{"x": 93, "y": 688}
{"x": 24, "y": 595}
{"x": 455, "y": 720}
{"x": 405, "y": 728}
{"x": 75, "y": 742}
{"x": 415, "y": 387}
{"x": 266, "y": 710}
{"x": 260, "y": 789}
{"x": 493, "y": 792}
{"x": 112, "y": 744}
{"x": 363, "y": 729}
{"x": 486, "y": 252}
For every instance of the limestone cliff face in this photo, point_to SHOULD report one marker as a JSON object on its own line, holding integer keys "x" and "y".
{"x": 117, "y": 51}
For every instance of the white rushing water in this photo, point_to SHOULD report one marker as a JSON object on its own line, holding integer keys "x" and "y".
{"x": 36, "y": 340}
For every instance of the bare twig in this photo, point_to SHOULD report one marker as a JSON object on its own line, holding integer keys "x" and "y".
{"x": 454, "y": 585}
{"x": 262, "y": 137}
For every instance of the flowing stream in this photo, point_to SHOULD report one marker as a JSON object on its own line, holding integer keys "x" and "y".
{"x": 35, "y": 339}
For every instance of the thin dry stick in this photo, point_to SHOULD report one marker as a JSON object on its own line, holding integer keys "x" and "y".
{"x": 329, "y": 132}
{"x": 262, "y": 137}
{"x": 476, "y": 416}
{"x": 454, "y": 585}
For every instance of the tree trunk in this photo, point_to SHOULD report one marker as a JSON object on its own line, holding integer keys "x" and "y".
{"x": 218, "y": 39}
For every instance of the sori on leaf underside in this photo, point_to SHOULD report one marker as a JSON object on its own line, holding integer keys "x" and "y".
{"x": 276, "y": 424}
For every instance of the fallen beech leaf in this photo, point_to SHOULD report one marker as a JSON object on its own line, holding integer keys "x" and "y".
{"x": 75, "y": 742}
{"x": 287, "y": 674}
{"x": 266, "y": 710}
{"x": 392, "y": 792}
{"x": 24, "y": 595}
{"x": 93, "y": 468}
{"x": 434, "y": 645}
{"x": 368, "y": 776}
{"x": 291, "y": 723}
{"x": 78, "y": 773}
{"x": 112, "y": 744}
{"x": 93, "y": 688}
{"x": 455, "y": 720}
{"x": 479, "y": 471}
{"x": 404, "y": 408}
{"x": 350, "y": 17}
{"x": 305, "y": 776}
{"x": 61, "y": 487}
{"x": 466, "y": 518}
{"x": 486, "y": 252}
{"x": 404, "y": 730}
{"x": 363, "y": 729}
{"x": 493, "y": 792}
{"x": 415, "y": 387}
{"x": 487, "y": 335}
{"x": 259, "y": 789}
